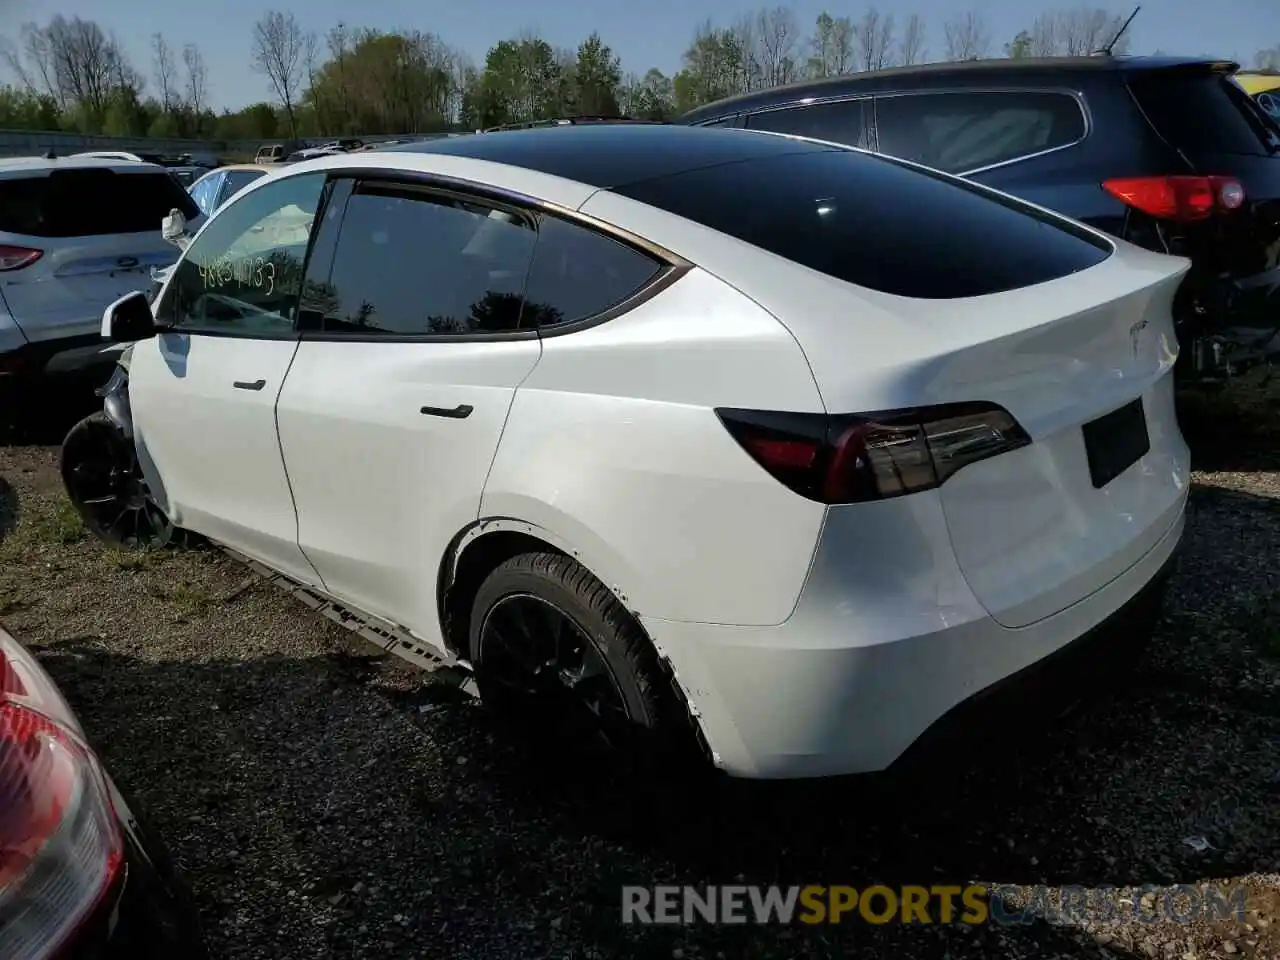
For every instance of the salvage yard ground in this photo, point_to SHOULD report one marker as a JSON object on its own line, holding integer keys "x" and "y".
{"x": 327, "y": 803}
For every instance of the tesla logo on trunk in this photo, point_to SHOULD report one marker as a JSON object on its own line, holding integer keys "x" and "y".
{"x": 127, "y": 262}
{"x": 1135, "y": 336}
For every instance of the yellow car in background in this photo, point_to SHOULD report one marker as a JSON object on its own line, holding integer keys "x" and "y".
{"x": 1264, "y": 88}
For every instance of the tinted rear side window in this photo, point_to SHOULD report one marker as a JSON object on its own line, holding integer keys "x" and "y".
{"x": 577, "y": 274}
{"x": 878, "y": 224}
{"x": 1203, "y": 113}
{"x": 82, "y": 203}
{"x": 958, "y": 132}
{"x": 839, "y": 122}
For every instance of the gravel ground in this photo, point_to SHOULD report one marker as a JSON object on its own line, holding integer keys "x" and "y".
{"x": 324, "y": 802}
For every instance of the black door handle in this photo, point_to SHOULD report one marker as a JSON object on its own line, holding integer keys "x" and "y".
{"x": 460, "y": 412}
{"x": 246, "y": 385}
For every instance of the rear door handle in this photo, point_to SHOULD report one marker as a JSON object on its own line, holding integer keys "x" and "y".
{"x": 249, "y": 385}
{"x": 460, "y": 412}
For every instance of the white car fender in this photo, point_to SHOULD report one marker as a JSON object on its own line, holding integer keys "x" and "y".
{"x": 514, "y": 514}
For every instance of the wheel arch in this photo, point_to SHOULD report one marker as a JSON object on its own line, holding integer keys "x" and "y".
{"x": 481, "y": 546}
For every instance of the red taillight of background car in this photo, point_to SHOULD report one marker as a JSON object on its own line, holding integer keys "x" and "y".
{"x": 857, "y": 458}
{"x": 61, "y": 849}
{"x": 1178, "y": 198}
{"x": 15, "y": 258}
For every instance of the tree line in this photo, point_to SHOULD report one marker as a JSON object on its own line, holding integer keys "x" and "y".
{"x": 72, "y": 74}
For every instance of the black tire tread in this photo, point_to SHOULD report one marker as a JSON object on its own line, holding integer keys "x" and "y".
{"x": 179, "y": 539}
{"x": 675, "y": 742}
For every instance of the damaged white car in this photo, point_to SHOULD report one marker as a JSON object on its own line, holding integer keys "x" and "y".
{"x": 681, "y": 442}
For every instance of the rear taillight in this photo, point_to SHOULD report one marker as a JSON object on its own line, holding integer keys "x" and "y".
{"x": 853, "y": 459}
{"x": 1178, "y": 198}
{"x": 15, "y": 258}
{"x": 60, "y": 845}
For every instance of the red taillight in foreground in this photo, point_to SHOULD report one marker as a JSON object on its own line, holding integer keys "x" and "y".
{"x": 15, "y": 258}
{"x": 853, "y": 459}
{"x": 60, "y": 845}
{"x": 1178, "y": 198}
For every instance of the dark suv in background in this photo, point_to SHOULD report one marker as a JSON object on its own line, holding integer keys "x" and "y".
{"x": 1167, "y": 153}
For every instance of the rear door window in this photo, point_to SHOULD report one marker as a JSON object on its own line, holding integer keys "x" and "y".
{"x": 578, "y": 274}
{"x": 839, "y": 122}
{"x": 1203, "y": 113}
{"x": 413, "y": 262}
{"x": 90, "y": 202}
{"x": 879, "y": 224}
{"x": 962, "y": 132}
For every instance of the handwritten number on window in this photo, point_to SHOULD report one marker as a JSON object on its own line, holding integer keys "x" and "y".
{"x": 256, "y": 273}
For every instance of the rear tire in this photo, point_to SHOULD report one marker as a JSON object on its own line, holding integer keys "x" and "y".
{"x": 568, "y": 671}
{"x": 102, "y": 477}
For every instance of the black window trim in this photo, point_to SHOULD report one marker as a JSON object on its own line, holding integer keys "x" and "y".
{"x": 326, "y": 192}
{"x": 672, "y": 266}
{"x": 1075, "y": 95}
{"x": 729, "y": 121}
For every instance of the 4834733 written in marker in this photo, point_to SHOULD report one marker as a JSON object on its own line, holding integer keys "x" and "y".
{"x": 257, "y": 273}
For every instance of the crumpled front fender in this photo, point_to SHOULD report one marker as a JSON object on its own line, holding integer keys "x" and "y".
{"x": 115, "y": 398}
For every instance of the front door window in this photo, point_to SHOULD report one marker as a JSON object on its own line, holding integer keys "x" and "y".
{"x": 242, "y": 274}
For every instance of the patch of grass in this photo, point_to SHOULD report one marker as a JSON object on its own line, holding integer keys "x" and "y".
{"x": 189, "y": 599}
{"x": 61, "y": 526}
{"x": 134, "y": 561}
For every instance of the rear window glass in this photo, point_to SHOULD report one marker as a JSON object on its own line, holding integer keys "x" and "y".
{"x": 876, "y": 223}
{"x": 960, "y": 132}
{"x": 83, "y": 203}
{"x": 1203, "y": 113}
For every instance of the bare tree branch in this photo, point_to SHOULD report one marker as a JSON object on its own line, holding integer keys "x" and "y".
{"x": 911, "y": 48}
{"x": 967, "y": 37}
{"x": 162, "y": 64}
{"x": 197, "y": 93}
{"x": 777, "y": 40}
{"x": 875, "y": 40}
{"x": 277, "y": 52}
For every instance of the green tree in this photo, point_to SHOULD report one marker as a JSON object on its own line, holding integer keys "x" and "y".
{"x": 22, "y": 110}
{"x": 716, "y": 64}
{"x": 1020, "y": 46}
{"x": 649, "y": 98}
{"x": 597, "y": 76}
{"x": 521, "y": 82}
{"x": 378, "y": 82}
{"x": 165, "y": 125}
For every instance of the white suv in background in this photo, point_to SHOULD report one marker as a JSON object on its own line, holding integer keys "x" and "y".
{"x": 75, "y": 234}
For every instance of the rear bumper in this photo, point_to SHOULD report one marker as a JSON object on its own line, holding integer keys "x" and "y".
{"x": 850, "y": 682}
{"x": 61, "y": 355}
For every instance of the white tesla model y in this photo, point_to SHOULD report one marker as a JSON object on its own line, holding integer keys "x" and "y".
{"x": 691, "y": 435}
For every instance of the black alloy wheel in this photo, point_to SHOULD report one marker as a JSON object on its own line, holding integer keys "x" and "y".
{"x": 542, "y": 665}
{"x": 570, "y": 673}
{"x": 104, "y": 480}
